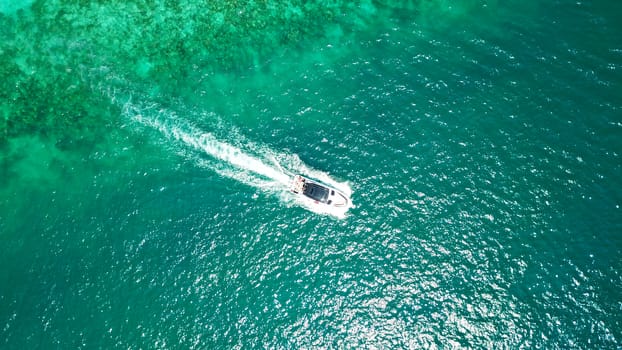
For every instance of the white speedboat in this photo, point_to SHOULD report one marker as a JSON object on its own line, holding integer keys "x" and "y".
{"x": 318, "y": 193}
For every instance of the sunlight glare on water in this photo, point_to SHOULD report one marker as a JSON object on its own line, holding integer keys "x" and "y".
{"x": 145, "y": 157}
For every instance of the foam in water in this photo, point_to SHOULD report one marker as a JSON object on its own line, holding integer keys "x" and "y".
{"x": 255, "y": 165}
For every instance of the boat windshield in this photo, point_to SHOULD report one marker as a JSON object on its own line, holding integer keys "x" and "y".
{"x": 316, "y": 192}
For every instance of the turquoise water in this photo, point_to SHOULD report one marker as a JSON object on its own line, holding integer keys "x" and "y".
{"x": 141, "y": 204}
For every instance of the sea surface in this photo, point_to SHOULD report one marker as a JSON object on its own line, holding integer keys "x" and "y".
{"x": 146, "y": 147}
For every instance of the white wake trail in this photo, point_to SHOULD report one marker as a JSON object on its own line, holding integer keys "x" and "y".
{"x": 255, "y": 165}
{"x": 206, "y": 142}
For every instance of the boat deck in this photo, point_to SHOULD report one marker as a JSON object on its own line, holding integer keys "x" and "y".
{"x": 298, "y": 184}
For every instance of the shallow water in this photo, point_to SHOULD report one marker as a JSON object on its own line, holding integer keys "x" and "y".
{"x": 141, "y": 204}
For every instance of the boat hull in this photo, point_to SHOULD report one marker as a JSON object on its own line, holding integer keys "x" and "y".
{"x": 318, "y": 193}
